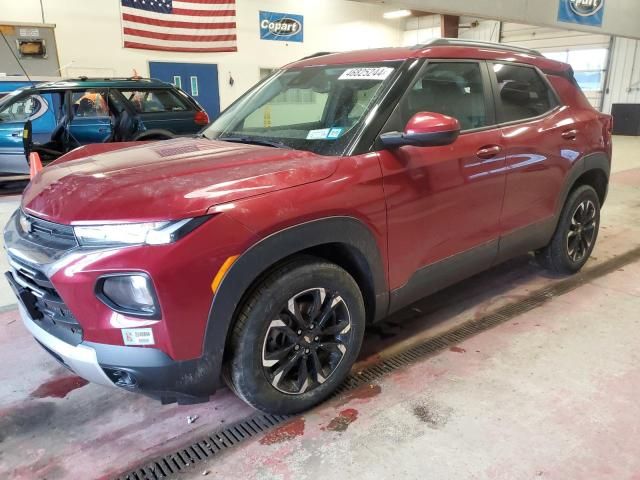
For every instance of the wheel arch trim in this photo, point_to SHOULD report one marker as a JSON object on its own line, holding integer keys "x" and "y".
{"x": 594, "y": 161}
{"x": 276, "y": 247}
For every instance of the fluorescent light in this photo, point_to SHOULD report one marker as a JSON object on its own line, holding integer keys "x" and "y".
{"x": 397, "y": 14}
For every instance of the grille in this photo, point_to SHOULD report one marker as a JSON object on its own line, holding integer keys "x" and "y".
{"x": 56, "y": 318}
{"x": 47, "y": 234}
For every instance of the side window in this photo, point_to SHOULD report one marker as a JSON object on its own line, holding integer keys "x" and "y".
{"x": 523, "y": 94}
{"x": 155, "y": 101}
{"x": 26, "y": 108}
{"x": 449, "y": 88}
{"x": 89, "y": 103}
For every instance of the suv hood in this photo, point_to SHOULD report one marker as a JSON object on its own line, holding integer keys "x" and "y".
{"x": 165, "y": 180}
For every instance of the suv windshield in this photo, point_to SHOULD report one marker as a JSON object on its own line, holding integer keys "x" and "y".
{"x": 314, "y": 108}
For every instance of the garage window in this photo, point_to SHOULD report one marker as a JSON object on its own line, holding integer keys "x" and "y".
{"x": 154, "y": 101}
{"x": 523, "y": 93}
{"x": 589, "y": 66}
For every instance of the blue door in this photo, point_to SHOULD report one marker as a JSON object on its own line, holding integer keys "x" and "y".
{"x": 200, "y": 80}
{"x": 14, "y": 112}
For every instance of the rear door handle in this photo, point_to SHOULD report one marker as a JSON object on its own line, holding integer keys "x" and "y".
{"x": 570, "y": 134}
{"x": 489, "y": 152}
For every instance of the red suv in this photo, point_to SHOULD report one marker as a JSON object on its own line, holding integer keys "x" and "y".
{"x": 337, "y": 191}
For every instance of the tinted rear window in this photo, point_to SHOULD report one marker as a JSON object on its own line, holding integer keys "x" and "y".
{"x": 155, "y": 101}
{"x": 523, "y": 93}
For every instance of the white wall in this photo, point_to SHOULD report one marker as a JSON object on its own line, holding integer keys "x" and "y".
{"x": 479, "y": 29}
{"x": 88, "y": 34}
{"x": 421, "y": 30}
{"x": 624, "y": 75}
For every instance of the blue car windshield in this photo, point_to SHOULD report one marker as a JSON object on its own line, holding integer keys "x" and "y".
{"x": 319, "y": 109}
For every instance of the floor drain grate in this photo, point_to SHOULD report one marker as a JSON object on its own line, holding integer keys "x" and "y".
{"x": 258, "y": 424}
{"x": 205, "y": 448}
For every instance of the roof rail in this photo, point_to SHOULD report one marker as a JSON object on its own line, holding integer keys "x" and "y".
{"x": 317, "y": 54}
{"x": 458, "y": 42}
{"x": 83, "y": 78}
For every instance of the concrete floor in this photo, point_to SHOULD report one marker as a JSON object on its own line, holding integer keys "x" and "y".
{"x": 550, "y": 394}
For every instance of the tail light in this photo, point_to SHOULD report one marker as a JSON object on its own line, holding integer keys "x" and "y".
{"x": 201, "y": 118}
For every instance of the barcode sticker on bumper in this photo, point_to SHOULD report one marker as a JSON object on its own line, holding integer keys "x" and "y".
{"x": 137, "y": 336}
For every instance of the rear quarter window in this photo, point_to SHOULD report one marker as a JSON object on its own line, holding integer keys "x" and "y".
{"x": 522, "y": 92}
{"x": 155, "y": 101}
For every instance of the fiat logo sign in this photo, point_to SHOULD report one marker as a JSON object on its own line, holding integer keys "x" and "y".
{"x": 285, "y": 27}
{"x": 586, "y": 8}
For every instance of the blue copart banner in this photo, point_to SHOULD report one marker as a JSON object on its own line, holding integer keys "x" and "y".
{"x": 285, "y": 27}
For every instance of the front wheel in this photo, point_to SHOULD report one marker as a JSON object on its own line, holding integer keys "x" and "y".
{"x": 576, "y": 234}
{"x": 296, "y": 337}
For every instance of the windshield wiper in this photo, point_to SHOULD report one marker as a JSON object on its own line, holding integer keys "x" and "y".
{"x": 255, "y": 141}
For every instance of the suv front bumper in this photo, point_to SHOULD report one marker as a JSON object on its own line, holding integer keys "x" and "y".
{"x": 80, "y": 359}
{"x": 145, "y": 370}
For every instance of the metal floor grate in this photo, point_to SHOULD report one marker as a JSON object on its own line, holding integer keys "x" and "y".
{"x": 205, "y": 448}
{"x": 256, "y": 425}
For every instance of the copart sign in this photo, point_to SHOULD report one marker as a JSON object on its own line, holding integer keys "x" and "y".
{"x": 285, "y": 27}
{"x": 583, "y": 12}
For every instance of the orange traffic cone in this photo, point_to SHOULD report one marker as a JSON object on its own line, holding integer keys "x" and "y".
{"x": 35, "y": 165}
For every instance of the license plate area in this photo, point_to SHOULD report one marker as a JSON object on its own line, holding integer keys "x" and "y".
{"x": 25, "y": 297}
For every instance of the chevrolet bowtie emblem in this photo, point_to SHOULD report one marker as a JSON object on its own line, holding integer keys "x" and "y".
{"x": 25, "y": 224}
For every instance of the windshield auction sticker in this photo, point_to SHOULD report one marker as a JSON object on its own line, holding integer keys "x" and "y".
{"x": 375, "y": 73}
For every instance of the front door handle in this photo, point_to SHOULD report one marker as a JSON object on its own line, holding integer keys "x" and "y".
{"x": 570, "y": 134}
{"x": 489, "y": 152}
{"x": 17, "y": 134}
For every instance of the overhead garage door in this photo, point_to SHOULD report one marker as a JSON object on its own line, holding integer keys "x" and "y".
{"x": 587, "y": 53}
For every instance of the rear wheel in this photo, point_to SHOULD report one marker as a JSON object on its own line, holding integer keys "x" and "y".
{"x": 296, "y": 337}
{"x": 576, "y": 234}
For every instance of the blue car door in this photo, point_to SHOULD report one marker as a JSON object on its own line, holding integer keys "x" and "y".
{"x": 91, "y": 119}
{"x": 14, "y": 112}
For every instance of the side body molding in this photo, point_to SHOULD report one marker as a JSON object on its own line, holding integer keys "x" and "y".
{"x": 257, "y": 260}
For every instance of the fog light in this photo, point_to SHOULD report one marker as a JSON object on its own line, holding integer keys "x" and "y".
{"x": 128, "y": 294}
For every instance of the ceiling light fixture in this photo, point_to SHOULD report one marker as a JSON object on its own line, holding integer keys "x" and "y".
{"x": 397, "y": 14}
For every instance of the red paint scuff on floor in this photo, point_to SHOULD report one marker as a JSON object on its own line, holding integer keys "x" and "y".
{"x": 343, "y": 420}
{"x": 458, "y": 350}
{"x": 288, "y": 431}
{"x": 58, "y": 387}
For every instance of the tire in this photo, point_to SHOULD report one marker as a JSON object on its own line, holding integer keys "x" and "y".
{"x": 576, "y": 233}
{"x": 271, "y": 348}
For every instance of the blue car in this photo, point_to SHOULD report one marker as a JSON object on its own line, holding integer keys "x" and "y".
{"x": 57, "y": 117}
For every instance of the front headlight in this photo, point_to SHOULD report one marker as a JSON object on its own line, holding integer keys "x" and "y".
{"x": 151, "y": 233}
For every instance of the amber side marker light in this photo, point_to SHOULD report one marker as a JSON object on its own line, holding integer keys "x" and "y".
{"x": 221, "y": 273}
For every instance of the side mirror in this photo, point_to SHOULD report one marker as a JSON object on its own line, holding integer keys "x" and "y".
{"x": 424, "y": 129}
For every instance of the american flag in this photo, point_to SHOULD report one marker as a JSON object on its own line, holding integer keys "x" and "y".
{"x": 180, "y": 26}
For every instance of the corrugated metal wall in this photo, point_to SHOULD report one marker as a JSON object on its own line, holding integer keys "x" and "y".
{"x": 624, "y": 77}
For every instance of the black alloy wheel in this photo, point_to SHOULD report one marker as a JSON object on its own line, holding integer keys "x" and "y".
{"x": 295, "y": 337}
{"x": 582, "y": 231}
{"x": 305, "y": 344}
